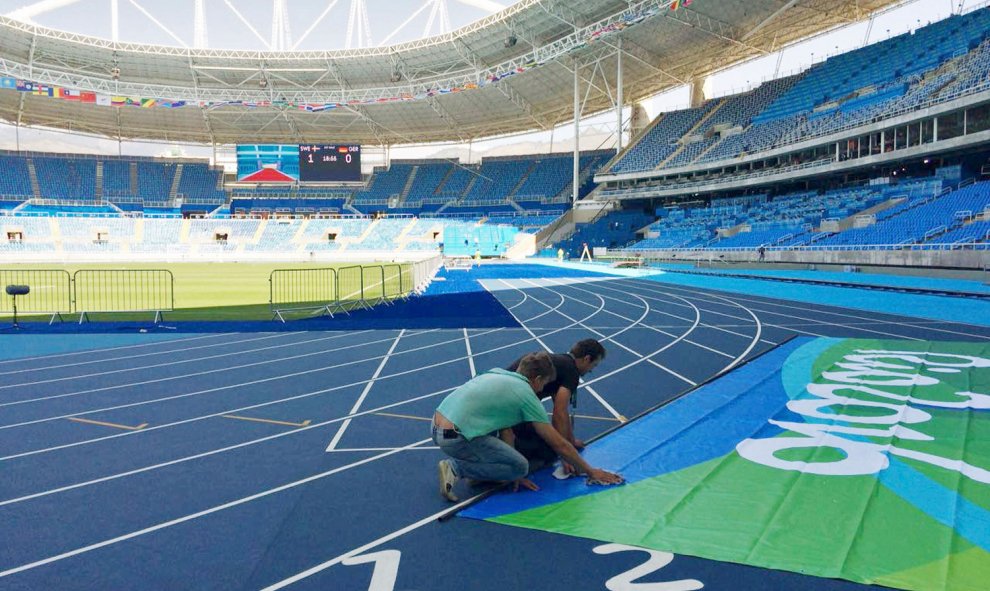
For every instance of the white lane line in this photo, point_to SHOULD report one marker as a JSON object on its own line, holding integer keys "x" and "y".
{"x": 706, "y": 325}
{"x": 642, "y": 325}
{"x": 362, "y": 549}
{"x": 358, "y": 449}
{"x": 754, "y": 340}
{"x": 632, "y": 324}
{"x": 256, "y": 441}
{"x": 178, "y": 362}
{"x": 212, "y": 452}
{"x": 118, "y": 348}
{"x": 470, "y": 355}
{"x": 597, "y": 397}
{"x": 809, "y": 309}
{"x": 128, "y": 357}
{"x": 933, "y": 325}
{"x": 181, "y": 377}
{"x": 364, "y": 393}
{"x": 229, "y": 387}
{"x": 203, "y": 513}
{"x": 259, "y": 405}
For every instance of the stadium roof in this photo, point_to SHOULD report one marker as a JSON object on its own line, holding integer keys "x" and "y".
{"x": 509, "y": 72}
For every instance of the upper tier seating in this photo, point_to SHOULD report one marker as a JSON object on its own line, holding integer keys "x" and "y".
{"x": 15, "y": 180}
{"x": 201, "y": 183}
{"x": 65, "y": 178}
{"x": 934, "y": 64}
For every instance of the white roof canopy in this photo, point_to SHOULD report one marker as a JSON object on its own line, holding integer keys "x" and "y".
{"x": 395, "y": 94}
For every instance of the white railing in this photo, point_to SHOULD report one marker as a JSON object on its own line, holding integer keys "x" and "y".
{"x": 424, "y": 271}
{"x": 831, "y": 247}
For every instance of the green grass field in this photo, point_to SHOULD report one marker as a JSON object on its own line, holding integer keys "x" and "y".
{"x": 239, "y": 291}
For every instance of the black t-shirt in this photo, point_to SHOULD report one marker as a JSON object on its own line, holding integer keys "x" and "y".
{"x": 567, "y": 374}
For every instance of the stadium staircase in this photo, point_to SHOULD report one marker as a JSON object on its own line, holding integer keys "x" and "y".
{"x": 33, "y": 175}
{"x": 98, "y": 189}
{"x": 633, "y": 141}
{"x": 515, "y": 205}
{"x": 690, "y": 133}
{"x": 262, "y": 226}
{"x": 368, "y": 231}
{"x": 408, "y": 186}
{"x": 443, "y": 181}
{"x": 351, "y": 208}
{"x": 173, "y": 191}
{"x": 522, "y": 180}
{"x": 297, "y": 238}
{"x": 133, "y": 175}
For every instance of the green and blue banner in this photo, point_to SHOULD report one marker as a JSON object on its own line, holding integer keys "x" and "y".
{"x": 866, "y": 460}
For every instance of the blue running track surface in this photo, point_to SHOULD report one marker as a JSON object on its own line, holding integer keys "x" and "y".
{"x": 300, "y": 457}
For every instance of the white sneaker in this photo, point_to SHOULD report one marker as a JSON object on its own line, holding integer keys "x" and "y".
{"x": 447, "y": 480}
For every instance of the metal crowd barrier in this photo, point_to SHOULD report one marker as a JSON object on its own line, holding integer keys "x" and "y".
{"x": 56, "y": 292}
{"x": 346, "y": 288}
{"x": 123, "y": 290}
{"x": 294, "y": 290}
{"x": 51, "y": 292}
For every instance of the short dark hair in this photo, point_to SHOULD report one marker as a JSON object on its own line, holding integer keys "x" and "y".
{"x": 537, "y": 365}
{"x": 587, "y": 347}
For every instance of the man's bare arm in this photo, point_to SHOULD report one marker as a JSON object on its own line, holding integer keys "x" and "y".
{"x": 567, "y": 451}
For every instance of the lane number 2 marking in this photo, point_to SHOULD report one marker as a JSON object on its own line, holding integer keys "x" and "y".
{"x": 627, "y": 581}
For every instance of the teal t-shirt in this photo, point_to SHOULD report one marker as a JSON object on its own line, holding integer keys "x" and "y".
{"x": 494, "y": 400}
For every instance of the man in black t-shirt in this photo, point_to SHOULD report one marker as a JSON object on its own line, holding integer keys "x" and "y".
{"x": 583, "y": 357}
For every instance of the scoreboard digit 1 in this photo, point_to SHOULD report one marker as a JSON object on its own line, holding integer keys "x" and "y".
{"x": 327, "y": 163}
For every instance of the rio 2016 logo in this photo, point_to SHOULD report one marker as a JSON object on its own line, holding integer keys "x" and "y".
{"x": 874, "y": 394}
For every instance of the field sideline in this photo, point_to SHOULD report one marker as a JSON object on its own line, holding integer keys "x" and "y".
{"x": 208, "y": 291}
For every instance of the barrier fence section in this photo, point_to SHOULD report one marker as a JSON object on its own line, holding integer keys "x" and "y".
{"x": 303, "y": 289}
{"x": 424, "y": 271}
{"x": 51, "y": 292}
{"x": 123, "y": 290}
{"x": 352, "y": 293}
{"x": 395, "y": 281}
{"x": 346, "y": 288}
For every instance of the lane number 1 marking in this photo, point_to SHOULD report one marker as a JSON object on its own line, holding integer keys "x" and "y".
{"x": 386, "y": 568}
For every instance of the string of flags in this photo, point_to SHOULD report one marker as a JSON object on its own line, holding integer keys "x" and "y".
{"x": 99, "y": 99}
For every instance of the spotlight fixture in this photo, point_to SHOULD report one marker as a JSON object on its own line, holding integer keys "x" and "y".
{"x": 263, "y": 82}
{"x": 395, "y": 77}
{"x": 510, "y": 41}
{"x": 115, "y": 73}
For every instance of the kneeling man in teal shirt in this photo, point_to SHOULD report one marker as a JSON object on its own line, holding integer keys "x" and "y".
{"x": 492, "y": 402}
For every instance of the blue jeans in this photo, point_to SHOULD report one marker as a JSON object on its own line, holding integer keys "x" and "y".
{"x": 482, "y": 458}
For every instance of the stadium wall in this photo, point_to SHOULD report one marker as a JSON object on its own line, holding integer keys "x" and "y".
{"x": 944, "y": 259}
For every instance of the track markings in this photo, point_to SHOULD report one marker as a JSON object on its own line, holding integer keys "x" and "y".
{"x": 271, "y": 421}
{"x": 398, "y": 416}
{"x": 105, "y": 424}
{"x": 620, "y": 418}
{"x": 364, "y": 394}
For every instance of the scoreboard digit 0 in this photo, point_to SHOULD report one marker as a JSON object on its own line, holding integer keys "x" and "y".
{"x": 329, "y": 163}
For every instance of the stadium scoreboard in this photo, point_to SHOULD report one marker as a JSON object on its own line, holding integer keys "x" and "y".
{"x": 327, "y": 163}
